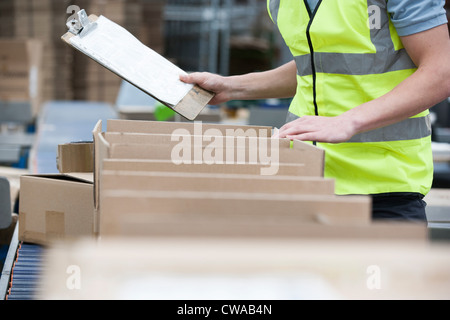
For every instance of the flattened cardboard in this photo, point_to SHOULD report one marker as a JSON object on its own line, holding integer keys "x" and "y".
{"x": 311, "y": 156}
{"x": 161, "y": 127}
{"x": 203, "y": 140}
{"x": 139, "y": 189}
{"x": 56, "y": 207}
{"x": 131, "y": 212}
{"x": 187, "y": 181}
{"x": 168, "y": 166}
{"x": 193, "y": 155}
{"x": 197, "y": 227}
{"x": 216, "y": 149}
{"x": 240, "y": 149}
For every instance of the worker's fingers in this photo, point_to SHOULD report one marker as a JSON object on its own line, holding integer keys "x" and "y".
{"x": 289, "y": 125}
{"x": 325, "y": 135}
{"x": 276, "y": 134}
{"x": 309, "y": 136}
{"x": 193, "y": 78}
{"x": 206, "y": 80}
{"x": 185, "y": 78}
{"x": 315, "y": 128}
{"x": 296, "y": 129}
{"x": 211, "y": 82}
{"x": 293, "y": 124}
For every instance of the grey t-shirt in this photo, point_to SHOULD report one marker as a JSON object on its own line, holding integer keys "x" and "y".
{"x": 411, "y": 16}
{"x": 312, "y": 4}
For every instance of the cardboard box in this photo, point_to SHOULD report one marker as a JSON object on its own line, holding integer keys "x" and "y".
{"x": 153, "y": 144}
{"x": 141, "y": 191}
{"x": 20, "y": 73}
{"x": 195, "y": 155}
{"x": 56, "y": 207}
{"x": 182, "y": 182}
{"x": 141, "y": 213}
{"x": 75, "y": 157}
{"x": 213, "y": 149}
{"x": 161, "y": 127}
{"x": 248, "y": 269}
{"x": 305, "y": 223}
{"x": 169, "y": 166}
{"x": 188, "y": 181}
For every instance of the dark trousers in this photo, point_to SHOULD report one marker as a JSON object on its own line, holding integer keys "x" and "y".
{"x": 399, "y": 206}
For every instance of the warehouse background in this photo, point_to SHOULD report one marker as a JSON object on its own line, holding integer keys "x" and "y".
{"x": 196, "y": 35}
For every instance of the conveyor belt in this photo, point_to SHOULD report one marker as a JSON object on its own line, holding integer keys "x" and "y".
{"x": 22, "y": 271}
{"x": 25, "y": 272}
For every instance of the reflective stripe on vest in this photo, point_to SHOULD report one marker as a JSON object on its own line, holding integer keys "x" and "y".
{"x": 356, "y": 63}
{"x": 409, "y": 129}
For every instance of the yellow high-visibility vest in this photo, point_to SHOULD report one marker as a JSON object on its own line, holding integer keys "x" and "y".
{"x": 348, "y": 53}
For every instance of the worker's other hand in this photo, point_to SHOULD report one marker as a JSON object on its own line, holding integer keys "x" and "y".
{"x": 319, "y": 129}
{"x": 211, "y": 82}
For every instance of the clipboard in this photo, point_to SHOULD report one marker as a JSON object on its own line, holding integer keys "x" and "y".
{"x": 189, "y": 102}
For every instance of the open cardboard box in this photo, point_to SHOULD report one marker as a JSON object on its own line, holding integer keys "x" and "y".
{"x": 150, "y": 141}
{"x": 75, "y": 157}
{"x": 136, "y": 195}
{"x": 154, "y": 196}
{"x": 168, "y": 166}
{"x": 145, "y": 213}
{"x": 204, "y": 182}
{"x": 161, "y": 127}
{"x": 56, "y": 207}
{"x": 211, "y": 150}
{"x": 155, "y": 143}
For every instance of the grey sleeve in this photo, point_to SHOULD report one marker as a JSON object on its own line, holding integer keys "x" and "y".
{"x": 413, "y": 16}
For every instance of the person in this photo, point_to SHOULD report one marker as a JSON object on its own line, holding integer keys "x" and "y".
{"x": 364, "y": 74}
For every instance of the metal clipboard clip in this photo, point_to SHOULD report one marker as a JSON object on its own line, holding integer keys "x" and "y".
{"x": 81, "y": 25}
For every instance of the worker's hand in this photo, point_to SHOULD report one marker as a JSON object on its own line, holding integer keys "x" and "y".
{"x": 319, "y": 129}
{"x": 211, "y": 82}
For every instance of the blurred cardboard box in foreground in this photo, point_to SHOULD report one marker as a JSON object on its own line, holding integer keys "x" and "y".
{"x": 247, "y": 269}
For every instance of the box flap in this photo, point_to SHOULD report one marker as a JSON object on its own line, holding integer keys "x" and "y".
{"x": 196, "y": 128}
{"x": 72, "y": 177}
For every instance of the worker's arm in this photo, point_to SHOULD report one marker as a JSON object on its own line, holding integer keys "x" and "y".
{"x": 277, "y": 83}
{"x": 429, "y": 85}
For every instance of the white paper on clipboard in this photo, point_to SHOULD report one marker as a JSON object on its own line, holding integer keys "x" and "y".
{"x": 118, "y": 50}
